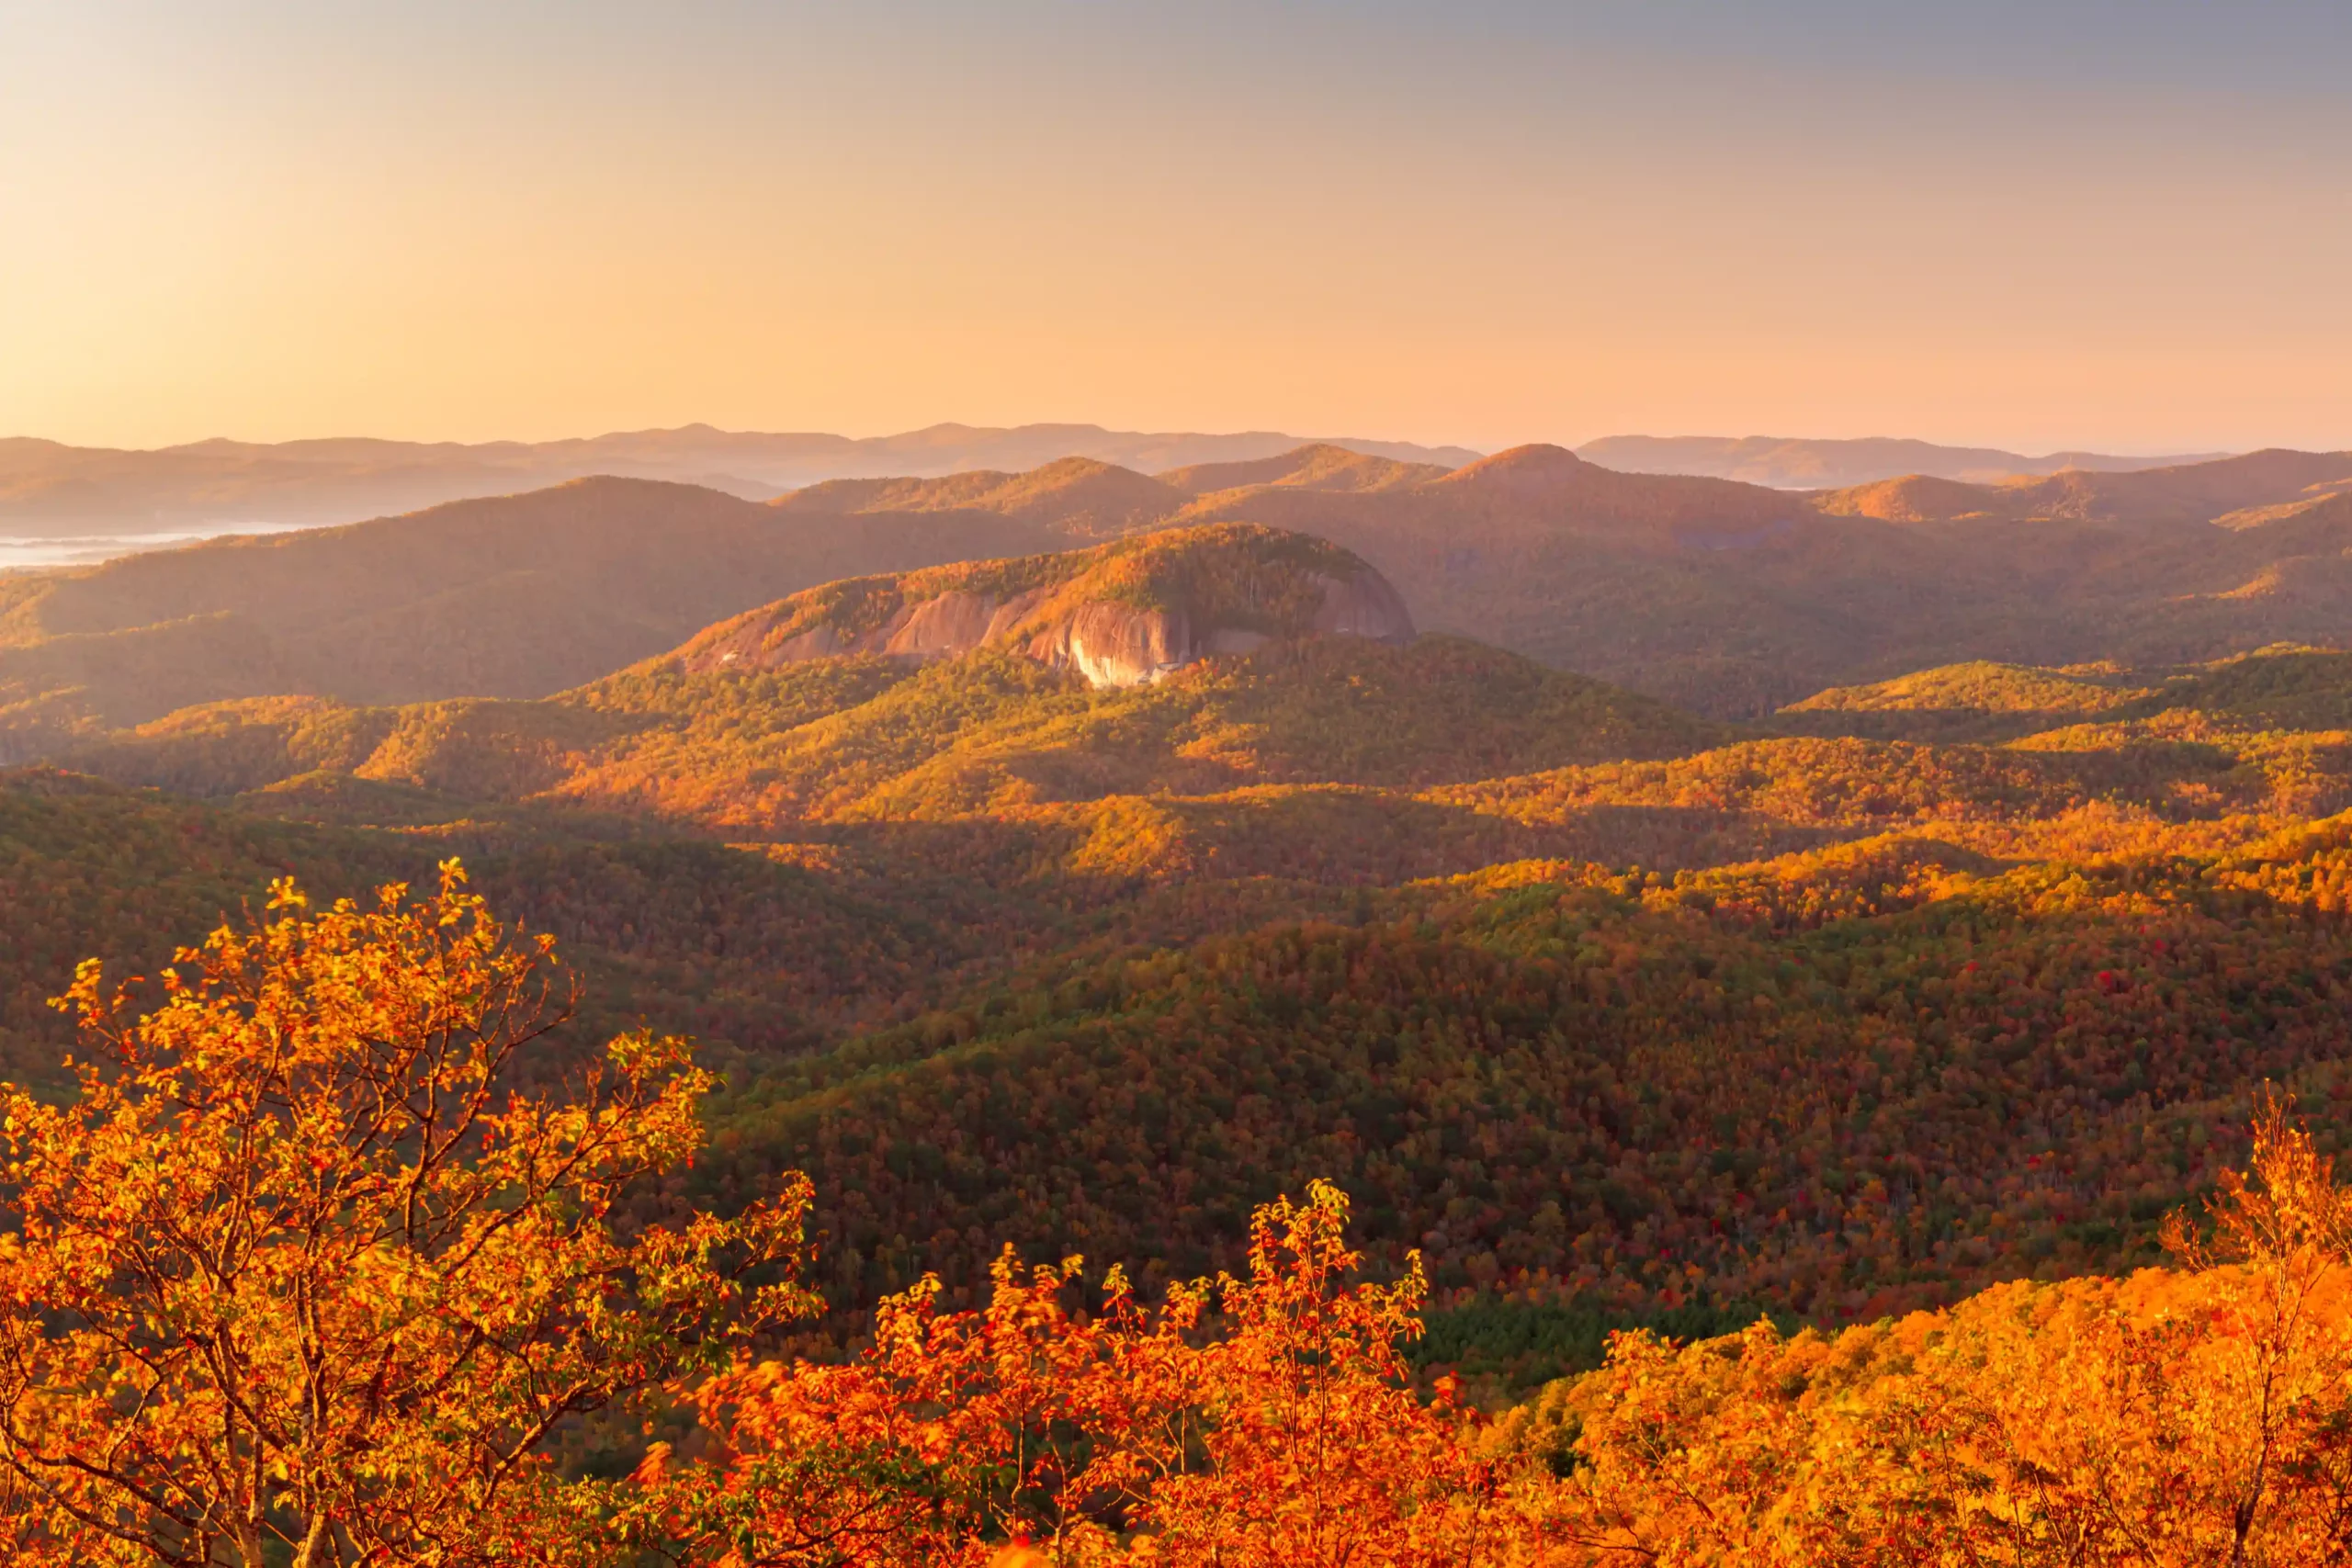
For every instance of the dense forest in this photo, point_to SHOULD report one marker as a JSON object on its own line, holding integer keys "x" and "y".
{"x": 492, "y": 1356}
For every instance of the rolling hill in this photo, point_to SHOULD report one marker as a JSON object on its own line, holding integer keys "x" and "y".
{"x": 1714, "y": 1089}
{"x": 1735, "y": 600}
{"x": 2280, "y": 689}
{"x": 1076, "y": 495}
{"x": 2240, "y": 491}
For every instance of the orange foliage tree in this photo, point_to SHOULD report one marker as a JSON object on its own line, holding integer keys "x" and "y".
{"x": 2192, "y": 1416}
{"x": 300, "y": 1277}
{"x": 1278, "y": 1428}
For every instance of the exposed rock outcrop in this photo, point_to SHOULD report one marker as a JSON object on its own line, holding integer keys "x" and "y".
{"x": 1120, "y": 616}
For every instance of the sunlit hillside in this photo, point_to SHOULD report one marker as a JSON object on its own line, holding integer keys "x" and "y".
{"x": 1028, "y": 994}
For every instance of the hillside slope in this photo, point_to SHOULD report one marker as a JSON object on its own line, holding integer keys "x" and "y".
{"x": 2284, "y": 689}
{"x": 1579, "y": 995}
{"x": 1322, "y": 466}
{"x": 1122, "y": 614}
{"x": 1706, "y": 1089}
{"x": 1076, "y": 495}
{"x": 2188, "y": 492}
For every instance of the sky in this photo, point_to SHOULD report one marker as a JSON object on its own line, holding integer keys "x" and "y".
{"x": 2122, "y": 226}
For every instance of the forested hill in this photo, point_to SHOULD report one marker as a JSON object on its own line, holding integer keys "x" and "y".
{"x": 1735, "y": 600}
{"x": 1189, "y": 662}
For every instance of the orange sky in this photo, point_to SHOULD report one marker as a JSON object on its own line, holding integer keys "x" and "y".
{"x": 2131, "y": 229}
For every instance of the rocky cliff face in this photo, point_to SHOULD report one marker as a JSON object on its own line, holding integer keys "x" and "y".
{"x": 1124, "y": 615}
{"x": 1116, "y": 644}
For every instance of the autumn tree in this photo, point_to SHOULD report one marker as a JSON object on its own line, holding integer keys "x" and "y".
{"x": 952, "y": 1432}
{"x": 2195, "y": 1415}
{"x": 2274, "y": 1358}
{"x": 1313, "y": 1448}
{"x": 1264, "y": 1421}
{"x": 301, "y": 1276}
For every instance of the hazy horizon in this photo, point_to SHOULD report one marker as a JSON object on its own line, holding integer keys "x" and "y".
{"x": 2092, "y": 226}
{"x": 1387, "y": 437}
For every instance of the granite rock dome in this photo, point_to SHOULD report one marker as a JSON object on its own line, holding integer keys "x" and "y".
{"x": 1120, "y": 615}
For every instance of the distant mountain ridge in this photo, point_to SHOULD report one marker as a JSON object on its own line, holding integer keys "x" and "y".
{"x": 48, "y": 488}
{"x": 2229, "y": 493}
{"x": 1800, "y": 462}
{"x": 1725, "y": 598}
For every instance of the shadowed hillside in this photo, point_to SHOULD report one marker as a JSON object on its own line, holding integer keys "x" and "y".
{"x": 1076, "y": 495}
{"x": 1735, "y": 600}
{"x": 1309, "y": 467}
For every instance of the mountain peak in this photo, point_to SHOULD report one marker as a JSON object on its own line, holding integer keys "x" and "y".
{"x": 1535, "y": 466}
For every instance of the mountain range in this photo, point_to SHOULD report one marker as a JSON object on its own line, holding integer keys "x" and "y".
{"x": 48, "y": 488}
{"x": 1730, "y": 599}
